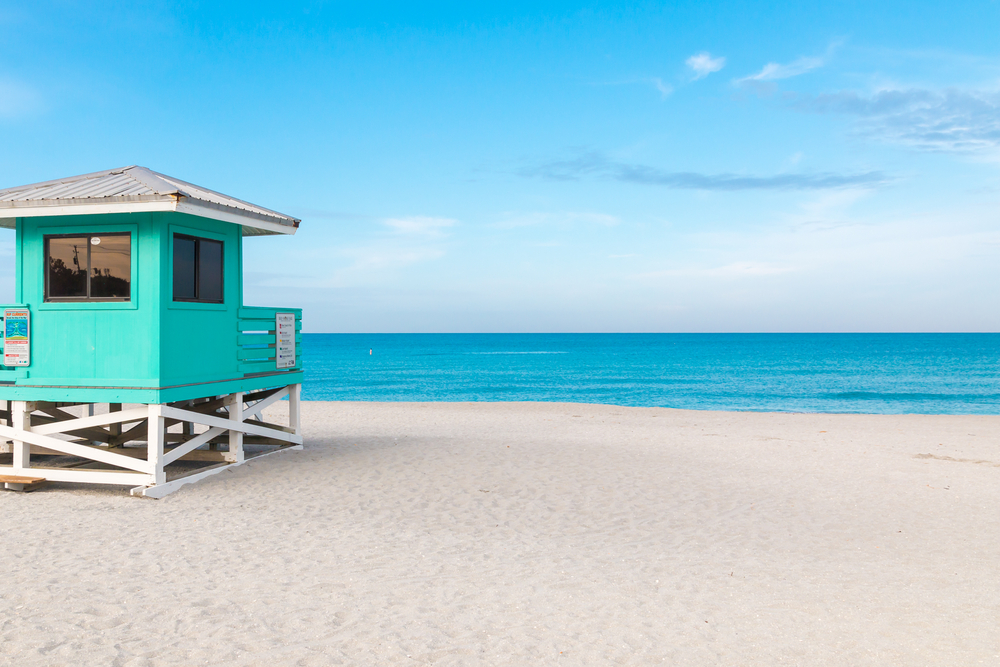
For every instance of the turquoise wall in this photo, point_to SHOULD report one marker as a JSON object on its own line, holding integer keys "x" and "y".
{"x": 99, "y": 344}
{"x": 197, "y": 341}
{"x": 147, "y": 350}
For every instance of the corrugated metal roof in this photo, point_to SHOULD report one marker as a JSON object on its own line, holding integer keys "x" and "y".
{"x": 129, "y": 185}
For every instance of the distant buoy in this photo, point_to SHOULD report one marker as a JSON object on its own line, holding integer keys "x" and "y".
{"x": 369, "y": 352}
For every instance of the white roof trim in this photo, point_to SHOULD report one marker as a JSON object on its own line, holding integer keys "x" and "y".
{"x": 90, "y": 209}
{"x": 251, "y": 227}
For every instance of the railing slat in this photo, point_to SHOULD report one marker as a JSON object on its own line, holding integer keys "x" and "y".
{"x": 258, "y": 367}
{"x": 261, "y": 339}
{"x": 256, "y": 351}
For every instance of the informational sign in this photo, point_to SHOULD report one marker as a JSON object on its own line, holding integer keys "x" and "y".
{"x": 16, "y": 337}
{"x": 284, "y": 332}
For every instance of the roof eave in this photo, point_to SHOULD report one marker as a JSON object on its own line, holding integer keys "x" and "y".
{"x": 254, "y": 224}
{"x": 264, "y": 225}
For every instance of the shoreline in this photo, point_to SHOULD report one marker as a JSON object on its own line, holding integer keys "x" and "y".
{"x": 661, "y": 407}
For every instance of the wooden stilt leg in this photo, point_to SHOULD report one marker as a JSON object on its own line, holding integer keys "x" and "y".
{"x": 154, "y": 439}
{"x": 213, "y": 446}
{"x": 235, "y": 404}
{"x": 294, "y": 408}
{"x": 90, "y": 413}
{"x": 116, "y": 429}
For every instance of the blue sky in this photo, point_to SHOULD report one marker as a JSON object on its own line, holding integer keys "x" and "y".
{"x": 550, "y": 166}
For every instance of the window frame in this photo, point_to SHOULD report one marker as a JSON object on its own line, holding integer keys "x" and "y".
{"x": 174, "y": 235}
{"x": 48, "y": 298}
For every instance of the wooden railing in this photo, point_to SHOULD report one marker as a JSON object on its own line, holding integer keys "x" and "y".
{"x": 9, "y": 373}
{"x": 256, "y": 340}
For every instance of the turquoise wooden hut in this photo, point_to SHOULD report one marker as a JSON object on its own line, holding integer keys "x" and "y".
{"x": 129, "y": 356}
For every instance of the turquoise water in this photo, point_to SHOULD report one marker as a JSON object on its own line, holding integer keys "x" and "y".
{"x": 869, "y": 373}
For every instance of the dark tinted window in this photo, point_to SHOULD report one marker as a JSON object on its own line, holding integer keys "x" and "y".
{"x": 198, "y": 269}
{"x": 184, "y": 268}
{"x": 93, "y": 267}
{"x": 209, "y": 270}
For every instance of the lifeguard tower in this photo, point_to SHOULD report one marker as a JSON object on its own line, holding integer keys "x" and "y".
{"x": 129, "y": 357}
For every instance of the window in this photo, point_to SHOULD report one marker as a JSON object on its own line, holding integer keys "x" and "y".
{"x": 88, "y": 267}
{"x": 197, "y": 269}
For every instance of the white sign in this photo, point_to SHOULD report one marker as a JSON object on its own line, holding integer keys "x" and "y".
{"x": 16, "y": 337}
{"x": 284, "y": 334}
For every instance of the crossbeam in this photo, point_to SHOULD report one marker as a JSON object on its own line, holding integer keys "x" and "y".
{"x": 243, "y": 427}
{"x": 257, "y": 408}
{"x": 74, "y": 424}
{"x": 73, "y": 449}
{"x": 192, "y": 444}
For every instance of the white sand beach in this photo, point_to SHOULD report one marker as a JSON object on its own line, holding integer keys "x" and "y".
{"x": 515, "y": 534}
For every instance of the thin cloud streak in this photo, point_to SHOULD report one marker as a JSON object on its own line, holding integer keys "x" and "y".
{"x": 762, "y": 82}
{"x": 664, "y": 88}
{"x": 776, "y": 71}
{"x": 595, "y": 165}
{"x": 951, "y": 120}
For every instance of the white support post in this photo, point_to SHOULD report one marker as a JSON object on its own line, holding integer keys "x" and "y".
{"x": 235, "y": 405}
{"x": 6, "y": 447}
{"x": 154, "y": 443}
{"x": 20, "y": 414}
{"x": 294, "y": 408}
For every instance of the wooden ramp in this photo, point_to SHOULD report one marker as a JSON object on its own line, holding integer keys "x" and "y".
{"x": 20, "y": 483}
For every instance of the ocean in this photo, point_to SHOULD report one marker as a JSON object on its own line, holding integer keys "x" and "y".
{"x": 835, "y": 373}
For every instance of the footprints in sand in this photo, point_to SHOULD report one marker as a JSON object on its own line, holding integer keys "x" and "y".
{"x": 949, "y": 458}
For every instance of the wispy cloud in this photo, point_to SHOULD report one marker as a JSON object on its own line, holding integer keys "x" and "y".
{"x": 703, "y": 64}
{"x": 951, "y": 120}
{"x": 664, "y": 88}
{"x": 776, "y": 71}
{"x": 763, "y": 81}
{"x": 16, "y": 98}
{"x": 596, "y": 165}
{"x": 420, "y": 225}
